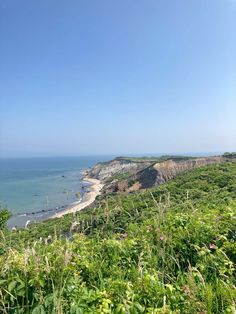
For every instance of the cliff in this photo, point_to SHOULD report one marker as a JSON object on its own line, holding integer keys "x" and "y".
{"x": 128, "y": 175}
{"x": 107, "y": 171}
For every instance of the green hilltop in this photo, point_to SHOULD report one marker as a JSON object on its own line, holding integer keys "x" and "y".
{"x": 169, "y": 249}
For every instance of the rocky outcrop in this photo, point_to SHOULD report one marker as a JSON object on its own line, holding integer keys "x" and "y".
{"x": 106, "y": 170}
{"x": 153, "y": 174}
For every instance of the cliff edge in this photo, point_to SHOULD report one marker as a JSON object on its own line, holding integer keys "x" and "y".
{"x": 126, "y": 174}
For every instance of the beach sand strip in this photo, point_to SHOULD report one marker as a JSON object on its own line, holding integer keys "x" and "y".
{"x": 88, "y": 199}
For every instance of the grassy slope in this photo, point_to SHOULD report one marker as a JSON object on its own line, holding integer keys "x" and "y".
{"x": 158, "y": 159}
{"x": 167, "y": 250}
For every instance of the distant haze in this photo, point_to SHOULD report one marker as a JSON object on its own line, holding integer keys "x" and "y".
{"x": 117, "y": 77}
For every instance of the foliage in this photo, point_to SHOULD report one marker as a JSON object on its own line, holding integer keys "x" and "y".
{"x": 4, "y": 216}
{"x": 230, "y": 155}
{"x": 156, "y": 159}
{"x": 171, "y": 249}
{"x": 121, "y": 176}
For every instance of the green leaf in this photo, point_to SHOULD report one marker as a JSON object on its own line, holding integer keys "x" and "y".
{"x": 39, "y": 310}
{"x": 12, "y": 285}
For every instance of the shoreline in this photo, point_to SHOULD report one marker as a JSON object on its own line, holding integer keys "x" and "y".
{"x": 88, "y": 198}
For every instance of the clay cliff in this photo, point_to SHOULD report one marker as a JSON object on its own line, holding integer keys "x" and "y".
{"x": 128, "y": 175}
{"x": 106, "y": 171}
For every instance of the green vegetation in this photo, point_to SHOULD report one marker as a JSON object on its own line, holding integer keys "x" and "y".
{"x": 229, "y": 155}
{"x": 4, "y": 216}
{"x": 121, "y": 176}
{"x": 171, "y": 249}
{"x": 156, "y": 159}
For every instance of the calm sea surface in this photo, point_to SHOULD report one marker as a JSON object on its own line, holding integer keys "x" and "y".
{"x": 35, "y": 188}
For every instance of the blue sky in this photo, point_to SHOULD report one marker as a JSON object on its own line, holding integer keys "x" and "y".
{"x": 117, "y": 77}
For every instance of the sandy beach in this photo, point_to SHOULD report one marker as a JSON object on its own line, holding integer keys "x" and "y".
{"x": 88, "y": 198}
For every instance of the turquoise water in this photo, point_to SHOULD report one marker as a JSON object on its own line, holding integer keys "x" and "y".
{"x": 36, "y": 188}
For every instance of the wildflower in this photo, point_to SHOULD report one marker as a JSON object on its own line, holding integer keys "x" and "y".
{"x": 162, "y": 237}
{"x": 124, "y": 235}
{"x": 212, "y": 246}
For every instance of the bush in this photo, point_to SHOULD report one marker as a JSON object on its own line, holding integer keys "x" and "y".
{"x": 166, "y": 250}
{"x": 4, "y": 216}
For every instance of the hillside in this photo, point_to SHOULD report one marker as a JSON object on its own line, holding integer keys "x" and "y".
{"x": 169, "y": 249}
{"x": 128, "y": 174}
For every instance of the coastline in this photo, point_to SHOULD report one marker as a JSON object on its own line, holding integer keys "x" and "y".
{"x": 89, "y": 197}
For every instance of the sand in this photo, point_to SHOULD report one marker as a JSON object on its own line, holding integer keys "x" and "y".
{"x": 88, "y": 199}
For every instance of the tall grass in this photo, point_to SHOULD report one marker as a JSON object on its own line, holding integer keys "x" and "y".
{"x": 166, "y": 250}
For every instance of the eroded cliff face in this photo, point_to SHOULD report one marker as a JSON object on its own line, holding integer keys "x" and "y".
{"x": 167, "y": 170}
{"x": 105, "y": 171}
{"x": 150, "y": 174}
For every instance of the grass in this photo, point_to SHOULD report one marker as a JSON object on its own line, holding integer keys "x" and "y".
{"x": 170, "y": 249}
{"x": 120, "y": 176}
{"x": 157, "y": 159}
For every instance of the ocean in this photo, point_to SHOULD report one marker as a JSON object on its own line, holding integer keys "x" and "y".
{"x": 33, "y": 189}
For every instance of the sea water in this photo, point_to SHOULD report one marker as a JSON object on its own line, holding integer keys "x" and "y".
{"x": 33, "y": 189}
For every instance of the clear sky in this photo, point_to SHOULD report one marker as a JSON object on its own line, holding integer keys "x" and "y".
{"x": 117, "y": 76}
